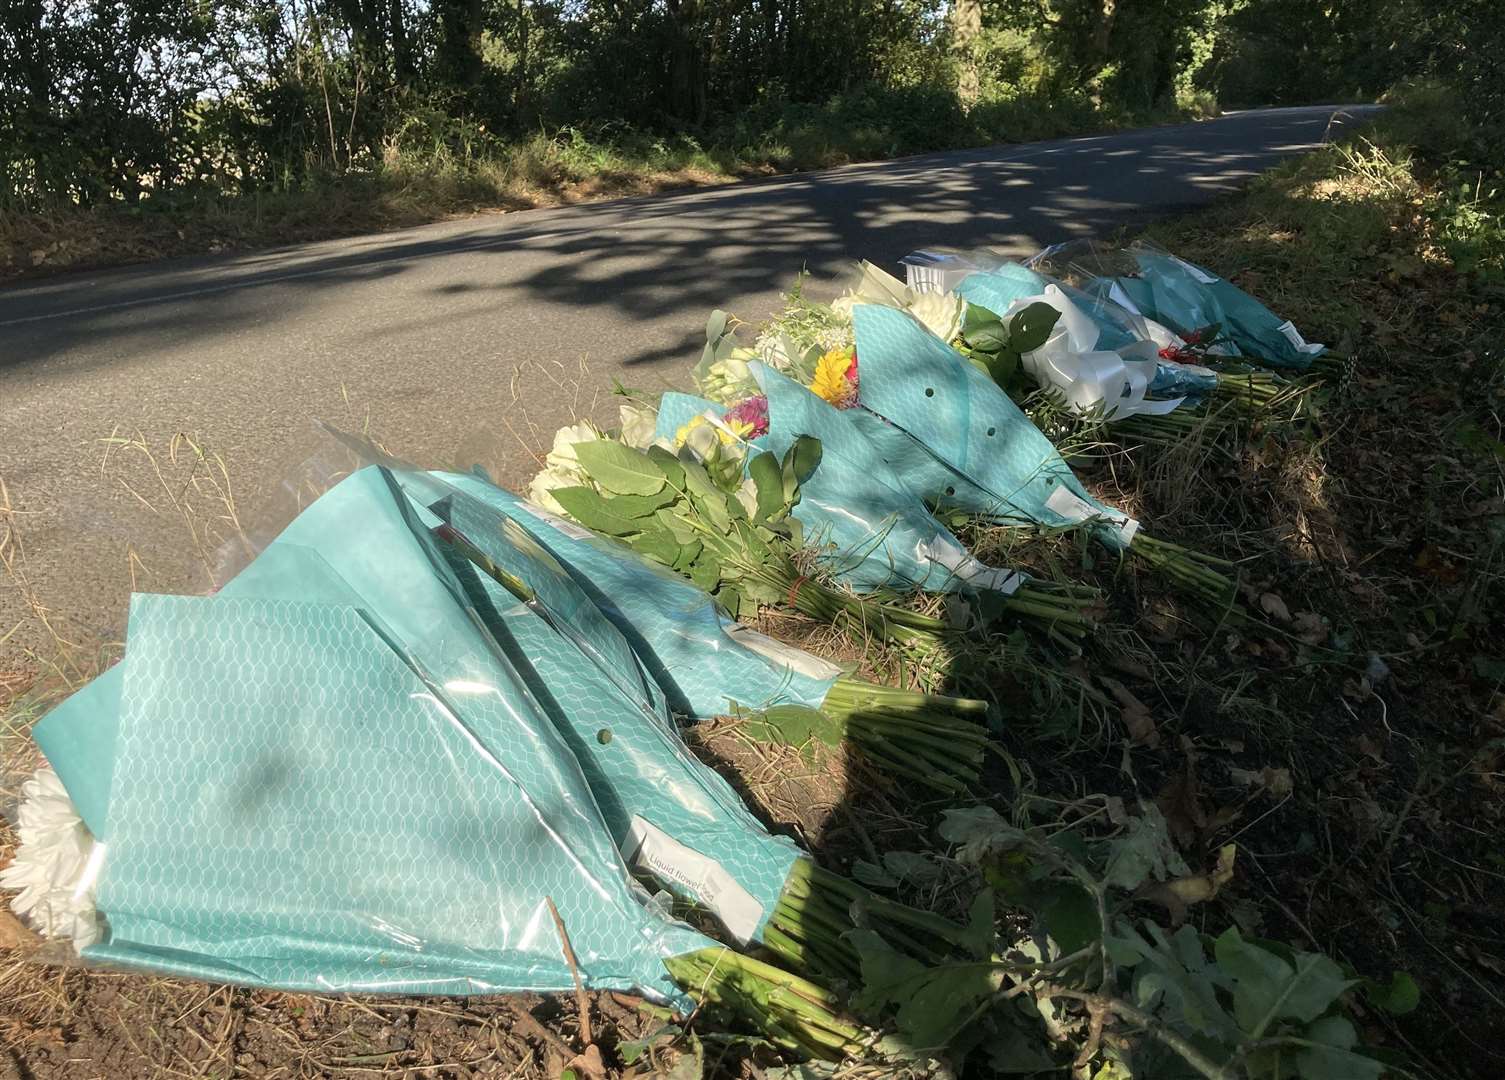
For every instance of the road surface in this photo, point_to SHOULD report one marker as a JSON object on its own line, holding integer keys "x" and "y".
{"x": 500, "y": 324}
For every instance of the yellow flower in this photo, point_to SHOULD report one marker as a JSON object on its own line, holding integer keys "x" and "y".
{"x": 682, "y": 436}
{"x": 740, "y": 428}
{"x": 728, "y": 434}
{"x": 830, "y": 380}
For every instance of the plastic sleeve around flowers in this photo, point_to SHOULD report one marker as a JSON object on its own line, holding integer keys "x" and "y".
{"x": 328, "y": 777}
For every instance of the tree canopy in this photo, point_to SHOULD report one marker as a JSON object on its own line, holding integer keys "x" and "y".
{"x": 121, "y": 99}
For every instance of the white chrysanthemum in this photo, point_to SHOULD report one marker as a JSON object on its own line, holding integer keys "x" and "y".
{"x": 56, "y": 864}
{"x": 941, "y": 313}
{"x": 638, "y": 424}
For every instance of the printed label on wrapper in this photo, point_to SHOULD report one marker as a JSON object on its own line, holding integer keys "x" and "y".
{"x": 569, "y": 528}
{"x": 686, "y": 870}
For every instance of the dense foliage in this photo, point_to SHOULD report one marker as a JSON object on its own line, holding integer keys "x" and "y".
{"x": 117, "y": 99}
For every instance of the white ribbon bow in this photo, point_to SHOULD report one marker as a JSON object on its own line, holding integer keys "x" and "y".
{"x": 1089, "y": 377}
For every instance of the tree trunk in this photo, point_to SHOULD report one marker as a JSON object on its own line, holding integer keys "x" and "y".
{"x": 402, "y": 52}
{"x": 966, "y": 28}
{"x": 460, "y": 23}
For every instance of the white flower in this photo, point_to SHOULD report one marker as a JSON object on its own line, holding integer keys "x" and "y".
{"x": 56, "y": 864}
{"x": 777, "y": 351}
{"x": 941, "y": 313}
{"x": 562, "y": 465}
{"x": 638, "y": 424}
{"x": 878, "y": 286}
{"x": 562, "y": 457}
{"x": 545, "y": 482}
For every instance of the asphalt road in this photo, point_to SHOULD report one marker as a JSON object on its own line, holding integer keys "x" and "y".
{"x": 504, "y": 325}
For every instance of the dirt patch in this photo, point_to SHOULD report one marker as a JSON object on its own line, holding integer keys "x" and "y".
{"x": 78, "y": 1025}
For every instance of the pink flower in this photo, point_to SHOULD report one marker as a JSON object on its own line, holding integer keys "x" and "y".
{"x": 753, "y": 413}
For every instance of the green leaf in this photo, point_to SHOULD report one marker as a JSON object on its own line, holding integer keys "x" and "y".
{"x": 934, "y": 1004}
{"x": 620, "y": 469}
{"x": 672, "y": 519}
{"x": 713, "y": 509}
{"x": 641, "y": 506}
{"x": 706, "y": 575}
{"x": 1002, "y": 367}
{"x": 1032, "y": 327}
{"x": 1068, "y": 913}
{"x": 747, "y": 607}
{"x": 594, "y": 511}
{"x": 805, "y": 455}
{"x": 697, "y": 481}
{"x": 1176, "y": 971}
{"x": 769, "y": 480}
{"x": 873, "y": 876}
{"x": 1331, "y": 1056}
{"x": 1267, "y": 988}
{"x": 1013, "y": 1051}
{"x": 915, "y": 866}
{"x": 980, "y": 929}
{"x": 691, "y": 1065}
{"x": 762, "y": 593}
{"x": 688, "y": 553}
{"x": 980, "y": 831}
{"x": 1401, "y": 996}
{"x": 669, "y": 465}
{"x": 1143, "y": 852}
{"x": 715, "y": 327}
{"x": 705, "y": 497}
{"x": 631, "y": 1051}
{"x": 982, "y": 330}
{"x": 794, "y": 725}
{"x": 658, "y": 545}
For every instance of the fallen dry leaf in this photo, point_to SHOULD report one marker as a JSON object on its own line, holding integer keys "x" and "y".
{"x": 14, "y": 934}
{"x": 1277, "y": 782}
{"x": 1310, "y": 627}
{"x": 1136, "y": 714}
{"x": 1178, "y": 894}
{"x": 589, "y": 1063}
{"x": 1180, "y": 805}
{"x": 1274, "y": 607}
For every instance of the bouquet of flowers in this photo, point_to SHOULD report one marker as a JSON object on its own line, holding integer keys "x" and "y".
{"x": 403, "y": 631}
{"x": 958, "y": 441}
{"x": 1147, "y": 280}
{"x": 732, "y": 529}
{"x": 709, "y": 665}
{"x": 865, "y": 523}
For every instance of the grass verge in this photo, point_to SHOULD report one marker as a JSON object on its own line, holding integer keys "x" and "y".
{"x": 433, "y": 168}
